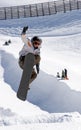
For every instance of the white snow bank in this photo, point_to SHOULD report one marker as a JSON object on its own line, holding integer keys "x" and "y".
{"x": 47, "y": 92}
{"x": 45, "y": 126}
{"x": 19, "y": 2}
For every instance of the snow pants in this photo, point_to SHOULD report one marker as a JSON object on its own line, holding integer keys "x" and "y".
{"x": 37, "y": 61}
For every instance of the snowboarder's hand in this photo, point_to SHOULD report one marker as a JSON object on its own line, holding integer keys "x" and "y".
{"x": 24, "y": 30}
{"x": 37, "y": 51}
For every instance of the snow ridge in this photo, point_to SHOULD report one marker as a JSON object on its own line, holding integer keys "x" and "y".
{"x": 7, "y": 117}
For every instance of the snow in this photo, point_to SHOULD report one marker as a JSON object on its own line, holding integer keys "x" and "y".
{"x": 52, "y": 103}
{"x": 19, "y": 2}
{"x": 56, "y": 126}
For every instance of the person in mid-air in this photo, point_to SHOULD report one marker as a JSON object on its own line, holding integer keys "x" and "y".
{"x": 30, "y": 46}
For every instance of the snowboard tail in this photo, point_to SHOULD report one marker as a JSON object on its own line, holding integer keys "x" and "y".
{"x": 26, "y": 75}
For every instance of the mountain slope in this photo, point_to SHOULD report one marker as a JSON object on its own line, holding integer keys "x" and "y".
{"x": 19, "y": 2}
{"x": 47, "y": 94}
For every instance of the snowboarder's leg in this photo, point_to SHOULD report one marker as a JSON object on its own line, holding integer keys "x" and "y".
{"x": 37, "y": 59}
{"x": 21, "y": 61}
{"x": 33, "y": 76}
{"x": 26, "y": 75}
{"x": 22, "y": 58}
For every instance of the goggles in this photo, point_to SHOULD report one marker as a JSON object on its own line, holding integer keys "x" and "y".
{"x": 36, "y": 43}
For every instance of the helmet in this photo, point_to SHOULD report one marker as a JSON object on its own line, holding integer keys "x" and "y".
{"x": 36, "y": 38}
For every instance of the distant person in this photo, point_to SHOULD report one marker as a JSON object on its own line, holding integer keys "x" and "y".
{"x": 9, "y": 41}
{"x": 6, "y": 43}
{"x": 65, "y": 70}
{"x": 58, "y": 75}
{"x": 30, "y": 49}
{"x": 63, "y": 74}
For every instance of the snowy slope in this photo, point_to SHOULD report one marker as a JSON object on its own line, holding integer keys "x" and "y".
{"x": 19, "y": 2}
{"x": 49, "y": 99}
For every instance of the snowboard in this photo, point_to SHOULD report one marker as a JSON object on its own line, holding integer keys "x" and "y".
{"x": 26, "y": 75}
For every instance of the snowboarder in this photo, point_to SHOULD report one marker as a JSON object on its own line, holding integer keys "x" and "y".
{"x": 29, "y": 57}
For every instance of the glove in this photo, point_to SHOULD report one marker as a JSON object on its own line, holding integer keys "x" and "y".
{"x": 37, "y": 51}
{"x": 24, "y": 30}
{"x": 37, "y": 68}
